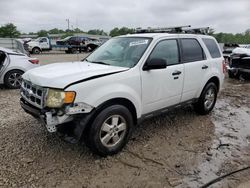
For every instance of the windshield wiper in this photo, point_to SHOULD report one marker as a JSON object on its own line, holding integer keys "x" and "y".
{"x": 99, "y": 62}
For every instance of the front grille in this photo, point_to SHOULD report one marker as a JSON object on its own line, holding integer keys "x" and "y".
{"x": 33, "y": 94}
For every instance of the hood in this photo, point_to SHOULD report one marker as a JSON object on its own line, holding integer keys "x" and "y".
{"x": 243, "y": 51}
{"x": 33, "y": 43}
{"x": 60, "y": 75}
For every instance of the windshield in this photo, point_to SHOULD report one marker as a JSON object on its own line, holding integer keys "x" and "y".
{"x": 66, "y": 38}
{"x": 121, "y": 52}
{"x": 38, "y": 39}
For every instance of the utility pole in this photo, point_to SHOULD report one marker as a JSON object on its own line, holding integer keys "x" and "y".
{"x": 67, "y": 20}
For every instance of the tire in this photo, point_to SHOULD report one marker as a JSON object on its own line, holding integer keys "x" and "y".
{"x": 13, "y": 79}
{"x": 36, "y": 51}
{"x": 91, "y": 47}
{"x": 207, "y": 99}
{"x": 230, "y": 74}
{"x": 73, "y": 50}
{"x": 110, "y": 131}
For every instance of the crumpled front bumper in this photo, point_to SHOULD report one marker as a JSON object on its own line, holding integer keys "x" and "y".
{"x": 235, "y": 70}
{"x": 46, "y": 117}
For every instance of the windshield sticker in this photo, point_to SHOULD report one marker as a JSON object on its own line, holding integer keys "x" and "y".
{"x": 140, "y": 42}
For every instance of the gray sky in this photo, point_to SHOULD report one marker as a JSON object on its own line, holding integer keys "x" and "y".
{"x": 33, "y": 15}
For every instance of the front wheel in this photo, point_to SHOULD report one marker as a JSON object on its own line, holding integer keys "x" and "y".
{"x": 110, "y": 130}
{"x": 13, "y": 79}
{"x": 207, "y": 100}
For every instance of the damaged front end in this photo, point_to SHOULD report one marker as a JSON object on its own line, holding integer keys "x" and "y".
{"x": 239, "y": 62}
{"x": 54, "y": 107}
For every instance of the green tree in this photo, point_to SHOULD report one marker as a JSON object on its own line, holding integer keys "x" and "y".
{"x": 247, "y": 32}
{"x": 9, "y": 30}
{"x": 97, "y": 32}
{"x": 121, "y": 31}
{"x": 67, "y": 35}
{"x": 77, "y": 30}
{"x": 55, "y": 31}
{"x": 42, "y": 33}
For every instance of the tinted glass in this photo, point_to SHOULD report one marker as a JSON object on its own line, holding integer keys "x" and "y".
{"x": 212, "y": 48}
{"x": 191, "y": 50}
{"x": 167, "y": 50}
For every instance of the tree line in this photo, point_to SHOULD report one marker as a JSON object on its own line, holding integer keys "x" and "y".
{"x": 10, "y": 30}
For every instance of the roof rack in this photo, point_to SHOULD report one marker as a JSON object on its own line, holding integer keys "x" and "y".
{"x": 176, "y": 29}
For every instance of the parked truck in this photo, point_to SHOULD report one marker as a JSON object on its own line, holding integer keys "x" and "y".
{"x": 72, "y": 44}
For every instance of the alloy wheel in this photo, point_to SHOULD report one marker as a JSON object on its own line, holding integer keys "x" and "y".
{"x": 113, "y": 130}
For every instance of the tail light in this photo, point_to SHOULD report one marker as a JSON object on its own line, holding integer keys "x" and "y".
{"x": 34, "y": 61}
{"x": 224, "y": 67}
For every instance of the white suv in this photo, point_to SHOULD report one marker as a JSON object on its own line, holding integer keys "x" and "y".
{"x": 127, "y": 79}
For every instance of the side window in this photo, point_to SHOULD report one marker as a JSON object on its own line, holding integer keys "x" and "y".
{"x": 191, "y": 50}
{"x": 212, "y": 47}
{"x": 167, "y": 50}
{"x": 72, "y": 39}
{"x": 43, "y": 40}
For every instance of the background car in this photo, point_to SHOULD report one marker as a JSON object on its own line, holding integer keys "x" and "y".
{"x": 79, "y": 43}
{"x": 13, "y": 65}
{"x": 71, "y": 40}
{"x": 239, "y": 63}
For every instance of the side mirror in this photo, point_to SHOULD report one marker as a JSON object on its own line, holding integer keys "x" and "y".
{"x": 155, "y": 64}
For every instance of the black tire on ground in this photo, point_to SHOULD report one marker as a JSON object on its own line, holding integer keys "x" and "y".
{"x": 207, "y": 99}
{"x": 91, "y": 47}
{"x": 73, "y": 50}
{"x": 36, "y": 51}
{"x": 231, "y": 74}
{"x": 13, "y": 79}
{"x": 110, "y": 131}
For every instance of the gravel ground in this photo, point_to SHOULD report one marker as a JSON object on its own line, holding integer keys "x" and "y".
{"x": 179, "y": 149}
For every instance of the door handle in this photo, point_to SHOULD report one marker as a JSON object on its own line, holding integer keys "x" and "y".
{"x": 175, "y": 73}
{"x": 204, "y": 67}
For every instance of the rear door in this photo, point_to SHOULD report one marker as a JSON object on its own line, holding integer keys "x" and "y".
{"x": 163, "y": 87}
{"x": 195, "y": 67}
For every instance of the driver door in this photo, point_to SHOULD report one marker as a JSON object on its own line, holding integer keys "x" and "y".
{"x": 44, "y": 43}
{"x": 163, "y": 87}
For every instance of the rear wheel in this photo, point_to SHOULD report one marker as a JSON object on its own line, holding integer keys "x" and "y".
{"x": 91, "y": 47}
{"x": 73, "y": 50}
{"x": 110, "y": 130}
{"x": 36, "y": 51}
{"x": 13, "y": 79}
{"x": 207, "y": 100}
{"x": 230, "y": 74}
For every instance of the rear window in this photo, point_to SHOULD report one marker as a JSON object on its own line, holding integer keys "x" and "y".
{"x": 212, "y": 48}
{"x": 191, "y": 50}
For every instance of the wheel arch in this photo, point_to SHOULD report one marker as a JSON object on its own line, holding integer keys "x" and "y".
{"x": 215, "y": 80}
{"x": 84, "y": 127}
{"x": 15, "y": 69}
{"x": 119, "y": 101}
